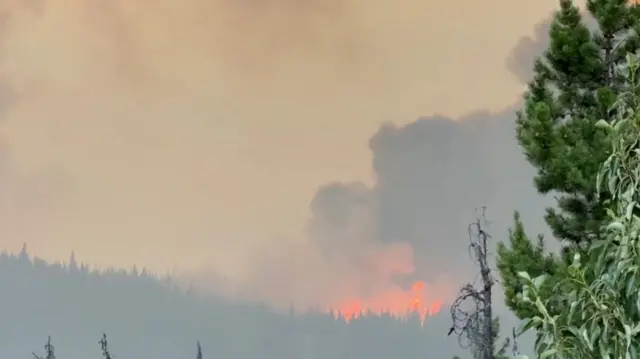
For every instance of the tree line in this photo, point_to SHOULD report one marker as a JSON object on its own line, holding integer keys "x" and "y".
{"x": 146, "y": 315}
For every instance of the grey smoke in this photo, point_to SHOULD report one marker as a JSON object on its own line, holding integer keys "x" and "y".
{"x": 430, "y": 175}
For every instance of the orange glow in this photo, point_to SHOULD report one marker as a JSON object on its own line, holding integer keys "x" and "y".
{"x": 402, "y": 305}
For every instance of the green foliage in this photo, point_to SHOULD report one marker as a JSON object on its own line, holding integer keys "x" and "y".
{"x": 601, "y": 289}
{"x": 531, "y": 258}
{"x": 575, "y": 84}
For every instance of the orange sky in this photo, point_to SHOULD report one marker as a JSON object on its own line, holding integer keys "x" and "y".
{"x": 177, "y": 134}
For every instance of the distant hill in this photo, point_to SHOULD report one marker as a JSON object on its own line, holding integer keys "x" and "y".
{"x": 149, "y": 317}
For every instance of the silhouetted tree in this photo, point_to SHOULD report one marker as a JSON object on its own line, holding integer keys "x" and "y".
{"x": 49, "y": 349}
{"x": 150, "y": 310}
{"x": 73, "y": 264}
{"x": 24, "y": 255}
{"x": 104, "y": 347}
{"x": 471, "y": 312}
{"x": 199, "y": 356}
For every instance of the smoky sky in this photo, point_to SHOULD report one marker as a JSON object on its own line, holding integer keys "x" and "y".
{"x": 431, "y": 176}
{"x": 193, "y": 134}
{"x": 521, "y": 60}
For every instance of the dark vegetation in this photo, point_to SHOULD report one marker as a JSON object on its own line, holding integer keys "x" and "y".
{"x": 472, "y": 311}
{"x": 579, "y": 128}
{"x": 575, "y": 83}
{"x": 150, "y": 317}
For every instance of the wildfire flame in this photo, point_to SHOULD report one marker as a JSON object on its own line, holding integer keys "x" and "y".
{"x": 399, "y": 305}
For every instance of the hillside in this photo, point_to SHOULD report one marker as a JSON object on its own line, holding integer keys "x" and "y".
{"x": 149, "y": 317}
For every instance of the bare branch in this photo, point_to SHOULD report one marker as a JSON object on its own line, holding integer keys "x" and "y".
{"x": 471, "y": 312}
{"x": 516, "y": 352}
{"x": 103, "y": 345}
{"x": 49, "y": 349}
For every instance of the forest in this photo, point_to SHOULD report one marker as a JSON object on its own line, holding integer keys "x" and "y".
{"x": 147, "y": 316}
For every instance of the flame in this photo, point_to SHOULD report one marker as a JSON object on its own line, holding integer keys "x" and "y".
{"x": 400, "y": 305}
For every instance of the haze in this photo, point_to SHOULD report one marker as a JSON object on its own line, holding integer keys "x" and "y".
{"x": 210, "y": 136}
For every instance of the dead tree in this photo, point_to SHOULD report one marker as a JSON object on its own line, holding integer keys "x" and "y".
{"x": 471, "y": 312}
{"x": 199, "y": 356}
{"x": 49, "y": 349}
{"x": 105, "y": 349}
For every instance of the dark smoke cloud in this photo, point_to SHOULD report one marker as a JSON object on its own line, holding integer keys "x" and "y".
{"x": 521, "y": 59}
{"x": 430, "y": 176}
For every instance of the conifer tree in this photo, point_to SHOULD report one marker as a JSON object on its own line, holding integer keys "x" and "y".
{"x": 576, "y": 81}
{"x": 600, "y": 289}
{"x": 73, "y": 264}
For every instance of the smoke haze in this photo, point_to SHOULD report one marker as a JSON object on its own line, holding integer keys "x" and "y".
{"x": 242, "y": 139}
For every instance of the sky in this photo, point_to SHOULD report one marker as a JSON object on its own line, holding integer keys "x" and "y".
{"x": 280, "y": 144}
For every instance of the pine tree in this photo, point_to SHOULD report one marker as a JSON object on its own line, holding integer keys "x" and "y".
{"x": 600, "y": 289}
{"x": 529, "y": 255}
{"x": 24, "y": 254}
{"x": 575, "y": 84}
{"x": 73, "y": 264}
